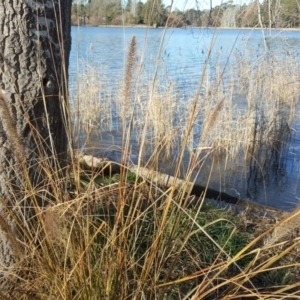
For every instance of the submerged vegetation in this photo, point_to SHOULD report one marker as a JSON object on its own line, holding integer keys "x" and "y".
{"x": 121, "y": 235}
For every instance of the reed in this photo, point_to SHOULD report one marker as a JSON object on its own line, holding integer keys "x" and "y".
{"x": 246, "y": 118}
{"x": 129, "y": 72}
{"x": 138, "y": 239}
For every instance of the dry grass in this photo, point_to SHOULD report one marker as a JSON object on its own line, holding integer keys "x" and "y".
{"x": 138, "y": 240}
{"x": 247, "y": 111}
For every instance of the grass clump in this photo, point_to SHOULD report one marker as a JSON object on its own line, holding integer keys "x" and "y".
{"x": 133, "y": 239}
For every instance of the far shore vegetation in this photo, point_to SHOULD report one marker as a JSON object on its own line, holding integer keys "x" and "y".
{"x": 267, "y": 14}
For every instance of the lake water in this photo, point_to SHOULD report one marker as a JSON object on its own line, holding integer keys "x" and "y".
{"x": 183, "y": 56}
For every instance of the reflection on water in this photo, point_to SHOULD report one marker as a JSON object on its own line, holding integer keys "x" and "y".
{"x": 269, "y": 175}
{"x": 272, "y": 181}
{"x": 268, "y": 167}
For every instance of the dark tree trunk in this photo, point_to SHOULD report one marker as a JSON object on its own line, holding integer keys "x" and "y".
{"x": 35, "y": 42}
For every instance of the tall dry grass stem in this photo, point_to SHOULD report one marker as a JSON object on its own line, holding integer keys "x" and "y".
{"x": 128, "y": 75}
{"x": 10, "y": 127}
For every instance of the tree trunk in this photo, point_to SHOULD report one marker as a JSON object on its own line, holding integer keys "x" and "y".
{"x": 35, "y": 42}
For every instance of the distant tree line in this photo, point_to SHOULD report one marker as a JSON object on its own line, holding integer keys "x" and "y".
{"x": 269, "y": 13}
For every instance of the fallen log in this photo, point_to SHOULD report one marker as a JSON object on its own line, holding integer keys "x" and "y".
{"x": 110, "y": 167}
{"x": 199, "y": 191}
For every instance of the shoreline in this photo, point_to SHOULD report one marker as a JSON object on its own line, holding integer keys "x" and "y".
{"x": 188, "y": 27}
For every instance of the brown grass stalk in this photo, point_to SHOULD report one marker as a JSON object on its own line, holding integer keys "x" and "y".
{"x": 128, "y": 75}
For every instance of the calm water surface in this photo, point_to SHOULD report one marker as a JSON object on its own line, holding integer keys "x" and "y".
{"x": 184, "y": 53}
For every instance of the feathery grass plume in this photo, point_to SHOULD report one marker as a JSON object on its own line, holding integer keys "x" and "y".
{"x": 212, "y": 119}
{"x": 10, "y": 127}
{"x": 129, "y": 74}
{"x": 8, "y": 234}
{"x": 52, "y": 223}
{"x": 7, "y": 214}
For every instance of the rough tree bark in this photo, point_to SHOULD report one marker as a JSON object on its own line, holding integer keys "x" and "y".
{"x": 35, "y": 42}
